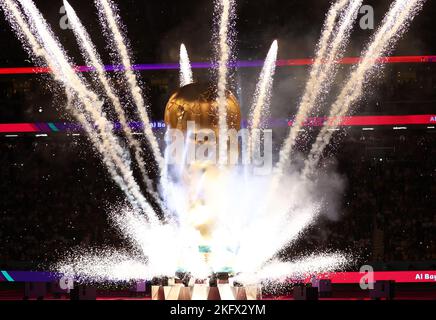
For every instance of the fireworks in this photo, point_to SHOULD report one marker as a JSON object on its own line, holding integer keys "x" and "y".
{"x": 217, "y": 218}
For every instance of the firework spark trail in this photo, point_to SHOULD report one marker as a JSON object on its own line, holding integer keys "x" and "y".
{"x": 280, "y": 230}
{"x": 321, "y": 75}
{"x": 109, "y": 20}
{"x": 104, "y": 265}
{"x": 143, "y": 236}
{"x": 323, "y": 70}
{"x": 262, "y": 96}
{"x": 19, "y": 24}
{"x": 393, "y": 27}
{"x": 185, "y": 67}
{"x": 298, "y": 270}
{"x": 93, "y": 59}
{"x": 180, "y": 248}
{"x": 99, "y": 145}
{"x": 112, "y": 152}
{"x": 225, "y": 10}
{"x": 150, "y": 258}
{"x": 17, "y": 21}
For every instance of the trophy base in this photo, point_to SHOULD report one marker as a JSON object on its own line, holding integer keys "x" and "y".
{"x": 206, "y": 292}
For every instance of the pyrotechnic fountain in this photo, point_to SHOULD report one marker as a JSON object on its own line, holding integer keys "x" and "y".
{"x": 220, "y": 215}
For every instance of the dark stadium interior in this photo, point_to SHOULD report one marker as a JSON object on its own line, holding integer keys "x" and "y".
{"x": 55, "y": 191}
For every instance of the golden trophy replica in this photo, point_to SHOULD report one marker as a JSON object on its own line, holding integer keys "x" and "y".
{"x": 197, "y": 104}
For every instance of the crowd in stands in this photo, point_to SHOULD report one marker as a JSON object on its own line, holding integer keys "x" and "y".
{"x": 56, "y": 193}
{"x": 388, "y": 211}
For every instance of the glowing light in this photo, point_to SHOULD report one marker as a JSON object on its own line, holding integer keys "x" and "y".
{"x": 207, "y": 65}
{"x": 7, "y": 276}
